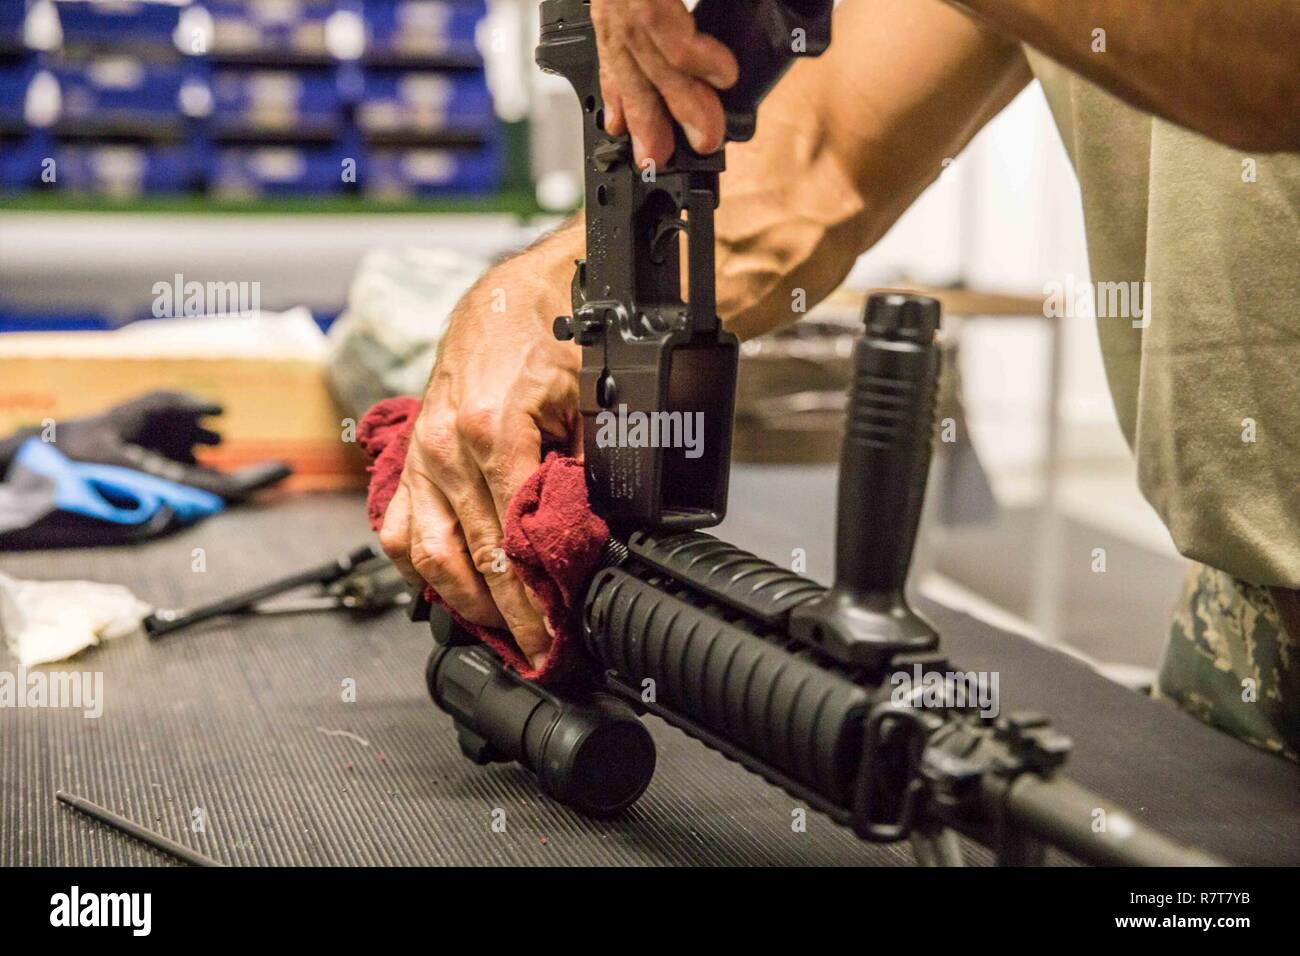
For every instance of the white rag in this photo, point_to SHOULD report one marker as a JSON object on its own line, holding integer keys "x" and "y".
{"x": 47, "y": 621}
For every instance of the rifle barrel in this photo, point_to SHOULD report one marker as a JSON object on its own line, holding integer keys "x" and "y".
{"x": 1062, "y": 813}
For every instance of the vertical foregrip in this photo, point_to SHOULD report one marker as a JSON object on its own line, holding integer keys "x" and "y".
{"x": 885, "y": 459}
{"x": 785, "y": 713}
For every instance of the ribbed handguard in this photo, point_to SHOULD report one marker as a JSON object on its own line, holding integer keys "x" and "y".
{"x": 759, "y": 699}
{"x": 726, "y": 574}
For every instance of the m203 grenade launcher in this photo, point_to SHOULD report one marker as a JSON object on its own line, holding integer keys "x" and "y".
{"x": 787, "y": 677}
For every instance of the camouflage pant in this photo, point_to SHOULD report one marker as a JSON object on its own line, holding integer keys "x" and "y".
{"x": 1231, "y": 663}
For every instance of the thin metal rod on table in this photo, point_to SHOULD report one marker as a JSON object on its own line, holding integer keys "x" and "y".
{"x": 155, "y": 840}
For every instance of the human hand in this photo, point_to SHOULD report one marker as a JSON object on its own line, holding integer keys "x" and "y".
{"x": 654, "y": 64}
{"x": 501, "y": 386}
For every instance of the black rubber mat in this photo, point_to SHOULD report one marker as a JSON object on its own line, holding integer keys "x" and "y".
{"x": 243, "y": 725}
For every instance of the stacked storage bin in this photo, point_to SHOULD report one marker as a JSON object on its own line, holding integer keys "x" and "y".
{"x": 120, "y": 128}
{"x": 280, "y": 117}
{"x": 20, "y": 144}
{"x": 249, "y": 98}
{"x": 426, "y": 115}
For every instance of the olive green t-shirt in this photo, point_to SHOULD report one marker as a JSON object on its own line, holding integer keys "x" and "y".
{"x": 1206, "y": 375}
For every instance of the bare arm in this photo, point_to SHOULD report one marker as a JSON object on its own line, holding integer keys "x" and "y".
{"x": 846, "y": 143}
{"x": 1224, "y": 69}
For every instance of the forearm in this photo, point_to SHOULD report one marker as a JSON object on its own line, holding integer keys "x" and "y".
{"x": 845, "y": 144}
{"x": 1224, "y": 69}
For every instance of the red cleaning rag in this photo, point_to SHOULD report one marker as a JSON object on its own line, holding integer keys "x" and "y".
{"x": 552, "y": 537}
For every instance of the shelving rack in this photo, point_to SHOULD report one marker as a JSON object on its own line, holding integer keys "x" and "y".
{"x": 246, "y": 98}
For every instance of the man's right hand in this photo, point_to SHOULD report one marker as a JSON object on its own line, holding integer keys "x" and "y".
{"x": 501, "y": 385}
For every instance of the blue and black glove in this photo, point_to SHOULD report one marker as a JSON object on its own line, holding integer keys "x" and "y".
{"x": 50, "y": 501}
{"x": 156, "y": 434}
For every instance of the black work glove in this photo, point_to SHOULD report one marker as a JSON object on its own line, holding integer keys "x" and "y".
{"x": 156, "y": 434}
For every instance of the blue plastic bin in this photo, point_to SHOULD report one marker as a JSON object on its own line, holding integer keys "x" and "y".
{"x": 275, "y": 99}
{"x": 425, "y": 101}
{"x": 266, "y": 170}
{"x": 399, "y": 172}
